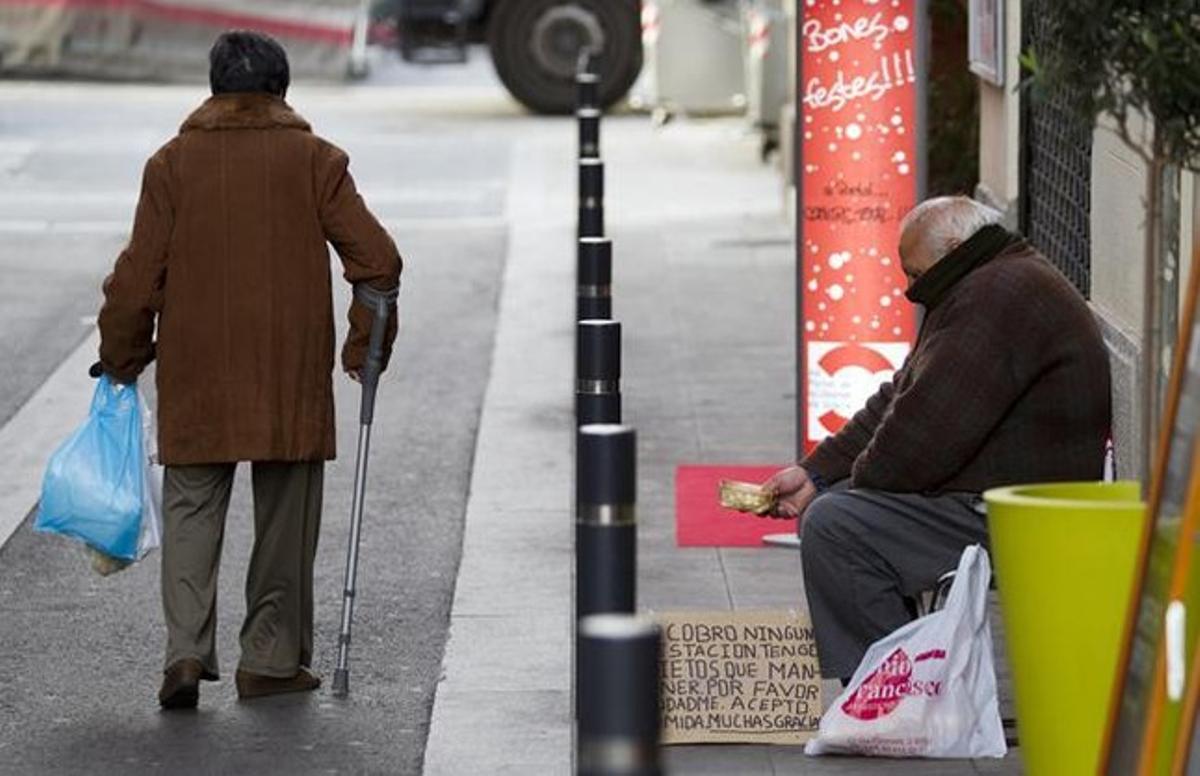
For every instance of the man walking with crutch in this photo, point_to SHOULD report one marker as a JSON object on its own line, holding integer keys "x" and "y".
{"x": 228, "y": 255}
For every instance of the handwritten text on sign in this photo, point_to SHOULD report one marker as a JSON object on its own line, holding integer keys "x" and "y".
{"x": 859, "y": 171}
{"x": 739, "y": 677}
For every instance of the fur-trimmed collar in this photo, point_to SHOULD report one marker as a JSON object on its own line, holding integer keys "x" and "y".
{"x": 244, "y": 110}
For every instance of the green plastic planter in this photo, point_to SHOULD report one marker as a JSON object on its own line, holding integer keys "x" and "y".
{"x": 1064, "y": 556}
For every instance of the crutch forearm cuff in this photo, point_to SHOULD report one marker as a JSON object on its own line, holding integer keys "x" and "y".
{"x": 373, "y": 297}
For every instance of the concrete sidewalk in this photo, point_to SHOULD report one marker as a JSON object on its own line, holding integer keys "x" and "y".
{"x": 703, "y": 287}
{"x": 503, "y": 706}
{"x": 707, "y": 305}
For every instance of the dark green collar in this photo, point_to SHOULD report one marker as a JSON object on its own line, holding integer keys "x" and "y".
{"x": 981, "y": 247}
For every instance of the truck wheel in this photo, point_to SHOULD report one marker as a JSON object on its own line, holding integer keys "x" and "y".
{"x": 535, "y": 46}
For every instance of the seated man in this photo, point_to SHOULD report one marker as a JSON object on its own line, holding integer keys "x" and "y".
{"x": 1008, "y": 383}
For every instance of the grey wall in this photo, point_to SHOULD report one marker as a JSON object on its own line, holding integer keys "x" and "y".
{"x": 1124, "y": 351}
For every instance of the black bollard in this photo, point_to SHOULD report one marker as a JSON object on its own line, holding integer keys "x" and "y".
{"x": 605, "y": 522}
{"x": 591, "y": 198}
{"x": 587, "y": 89}
{"x": 597, "y": 372}
{"x": 619, "y": 696}
{"x": 593, "y": 295}
{"x": 589, "y": 132}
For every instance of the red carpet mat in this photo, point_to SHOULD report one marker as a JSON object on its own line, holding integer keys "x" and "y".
{"x": 701, "y": 521}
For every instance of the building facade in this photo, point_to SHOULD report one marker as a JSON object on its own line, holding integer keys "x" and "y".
{"x": 1078, "y": 193}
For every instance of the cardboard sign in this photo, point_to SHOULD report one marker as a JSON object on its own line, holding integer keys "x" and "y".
{"x": 860, "y": 170}
{"x": 739, "y": 677}
{"x": 701, "y": 521}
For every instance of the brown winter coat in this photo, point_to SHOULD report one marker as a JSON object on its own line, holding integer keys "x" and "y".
{"x": 228, "y": 253}
{"x": 1008, "y": 383}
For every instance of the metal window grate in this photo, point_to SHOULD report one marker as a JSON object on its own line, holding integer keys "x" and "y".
{"x": 1056, "y": 166}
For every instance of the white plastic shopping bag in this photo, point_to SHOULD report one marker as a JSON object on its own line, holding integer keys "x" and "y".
{"x": 929, "y": 688}
{"x": 152, "y": 473}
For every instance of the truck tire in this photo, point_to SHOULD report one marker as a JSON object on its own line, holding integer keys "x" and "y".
{"x": 535, "y": 45}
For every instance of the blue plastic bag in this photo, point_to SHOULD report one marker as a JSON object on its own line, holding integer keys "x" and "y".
{"x": 94, "y": 484}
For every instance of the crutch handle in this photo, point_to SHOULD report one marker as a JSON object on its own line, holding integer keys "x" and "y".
{"x": 381, "y": 304}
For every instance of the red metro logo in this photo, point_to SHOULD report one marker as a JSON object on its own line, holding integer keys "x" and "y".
{"x": 843, "y": 357}
{"x": 883, "y": 690}
{"x": 839, "y": 377}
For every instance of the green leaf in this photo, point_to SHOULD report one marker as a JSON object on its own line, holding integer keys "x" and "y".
{"x": 1029, "y": 61}
{"x": 1149, "y": 39}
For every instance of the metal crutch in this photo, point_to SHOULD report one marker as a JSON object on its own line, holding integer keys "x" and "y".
{"x": 381, "y": 304}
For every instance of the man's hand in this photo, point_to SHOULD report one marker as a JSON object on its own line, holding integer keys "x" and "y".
{"x": 793, "y": 490}
{"x": 354, "y": 374}
{"x": 96, "y": 371}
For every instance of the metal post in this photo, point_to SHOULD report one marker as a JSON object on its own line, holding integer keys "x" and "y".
{"x": 605, "y": 522}
{"x": 593, "y": 295}
{"x": 619, "y": 696}
{"x": 597, "y": 372}
{"x": 591, "y": 198}
{"x": 587, "y": 87}
{"x": 358, "y": 41}
{"x": 589, "y": 132}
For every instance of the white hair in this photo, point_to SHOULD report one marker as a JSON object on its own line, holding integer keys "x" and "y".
{"x": 946, "y": 222}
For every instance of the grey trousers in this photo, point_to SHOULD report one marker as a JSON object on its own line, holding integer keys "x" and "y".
{"x": 868, "y": 554}
{"x": 276, "y": 636}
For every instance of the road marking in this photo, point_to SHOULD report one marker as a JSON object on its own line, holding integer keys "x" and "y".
{"x": 54, "y": 411}
{"x": 51, "y": 227}
{"x": 13, "y": 154}
{"x": 447, "y": 222}
{"x": 423, "y": 193}
{"x": 45, "y": 226}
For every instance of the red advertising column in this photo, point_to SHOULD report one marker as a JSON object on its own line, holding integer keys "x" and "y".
{"x": 859, "y": 171}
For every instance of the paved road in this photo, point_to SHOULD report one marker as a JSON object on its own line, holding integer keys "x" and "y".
{"x": 80, "y": 656}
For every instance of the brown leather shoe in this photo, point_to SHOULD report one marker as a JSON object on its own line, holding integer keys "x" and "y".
{"x": 257, "y": 686}
{"x": 181, "y": 684}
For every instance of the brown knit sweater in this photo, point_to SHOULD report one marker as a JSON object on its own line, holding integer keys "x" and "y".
{"x": 1008, "y": 383}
